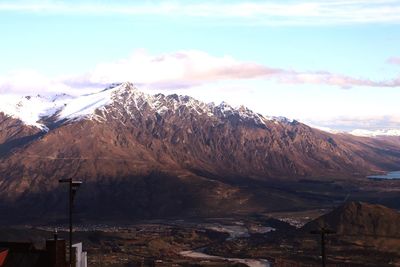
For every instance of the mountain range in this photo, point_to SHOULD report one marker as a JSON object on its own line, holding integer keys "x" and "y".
{"x": 165, "y": 155}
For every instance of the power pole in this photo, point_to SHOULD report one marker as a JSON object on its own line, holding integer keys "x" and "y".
{"x": 322, "y": 232}
{"x": 73, "y": 187}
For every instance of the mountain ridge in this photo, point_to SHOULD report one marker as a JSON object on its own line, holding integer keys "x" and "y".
{"x": 63, "y": 107}
{"x": 124, "y": 106}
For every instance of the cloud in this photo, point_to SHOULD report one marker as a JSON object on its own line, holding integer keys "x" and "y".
{"x": 268, "y": 13}
{"x": 191, "y": 68}
{"x": 327, "y": 78}
{"x": 349, "y": 123}
{"x": 394, "y": 60}
{"x": 185, "y": 68}
{"x": 27, "y": 81}
{"x": 182, "y": 69}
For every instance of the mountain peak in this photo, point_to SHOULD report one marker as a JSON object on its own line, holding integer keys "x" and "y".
{"x": 127, "y": 86}
{"x": 123, "y": 85}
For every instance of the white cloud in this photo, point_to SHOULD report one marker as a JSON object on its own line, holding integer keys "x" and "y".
{"x": 260, "y": 12}
{"x": 181, "y": 69}
{"x": 375, "y": 133}
{"x": 31, "y": 82}
{"x": 27, "y": 81}
{"x": 349, "y": 123}
{"x": 190, "y": 68}
{"x": 394, "y": 60}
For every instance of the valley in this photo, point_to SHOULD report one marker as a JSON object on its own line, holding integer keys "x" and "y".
{"x": 254, "y": 240}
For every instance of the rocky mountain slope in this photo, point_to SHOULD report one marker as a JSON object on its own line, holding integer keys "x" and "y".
{"x": 357, "y": 219}
{"x": 15, "y": 133}
{"x": 365, "y": 233}
{"x": 158, "y": 155}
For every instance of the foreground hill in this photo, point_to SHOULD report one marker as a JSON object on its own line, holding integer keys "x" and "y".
{"x": 157, "y": 155}
{"x": 367, "y": 234}
{"x": 359, "y": 219}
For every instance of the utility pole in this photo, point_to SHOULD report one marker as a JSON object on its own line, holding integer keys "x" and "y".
{"x": 73, "y": 187}
{"x": 322, "y": 232}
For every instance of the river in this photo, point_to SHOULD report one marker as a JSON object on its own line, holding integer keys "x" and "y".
{"x": 248, "y": 262}
{"x": 235, "y": 231}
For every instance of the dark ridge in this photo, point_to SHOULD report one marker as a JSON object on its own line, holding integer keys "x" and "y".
{"x": 52, "y": 122}
{"x": 7, "y": 147}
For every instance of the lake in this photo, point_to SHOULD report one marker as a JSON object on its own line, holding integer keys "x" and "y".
{"x": 390, "y": 176}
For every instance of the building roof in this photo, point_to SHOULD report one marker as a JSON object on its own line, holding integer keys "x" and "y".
{"x": 3, "y": 256}
{"x": 20, "y": 254}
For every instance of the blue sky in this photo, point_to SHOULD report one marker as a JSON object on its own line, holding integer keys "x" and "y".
{"x": 327, "y": 63}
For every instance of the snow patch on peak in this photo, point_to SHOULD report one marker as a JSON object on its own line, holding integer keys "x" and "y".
{"x": 85, "y": 106}
{"x": 280, "y": 119}
{"x": 31, "y": 109}
{"x": 126, "y": 87}
{"x": 224, "y": 106}
{"x": 120, "y": 86}
{"x": 326, "y": 129}
{"x": 245, "y": 114}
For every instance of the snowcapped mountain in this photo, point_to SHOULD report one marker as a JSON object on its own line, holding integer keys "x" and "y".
{"x": 35, "y": 110}
{"x": 156, "y": 155}
{"x": 274, "y": 146}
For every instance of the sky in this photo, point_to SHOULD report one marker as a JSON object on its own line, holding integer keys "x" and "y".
{"x": 333, "y": 63}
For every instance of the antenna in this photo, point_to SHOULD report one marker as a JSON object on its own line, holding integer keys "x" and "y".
{"x": 322, "y": 232}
